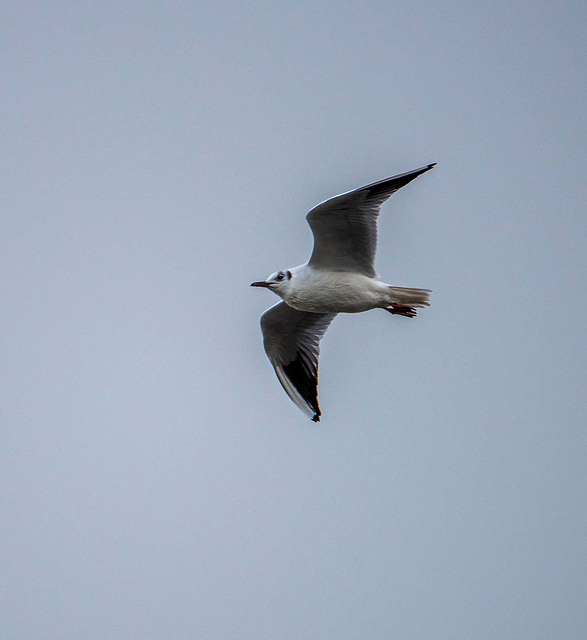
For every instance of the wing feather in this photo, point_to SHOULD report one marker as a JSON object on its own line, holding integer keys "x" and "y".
{"x": 292, "y": 342}
{"x": 345, "y": 227}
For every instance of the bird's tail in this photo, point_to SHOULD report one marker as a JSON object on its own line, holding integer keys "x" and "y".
{"x": 409, "y": 297}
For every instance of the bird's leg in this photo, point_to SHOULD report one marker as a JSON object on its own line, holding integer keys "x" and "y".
{"x": 400, "y": 310}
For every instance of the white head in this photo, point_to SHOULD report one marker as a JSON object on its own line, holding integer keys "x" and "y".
{"x": 279, "y": 282}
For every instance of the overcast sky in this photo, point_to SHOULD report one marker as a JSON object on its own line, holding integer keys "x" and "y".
{"x": 156, "y": 481}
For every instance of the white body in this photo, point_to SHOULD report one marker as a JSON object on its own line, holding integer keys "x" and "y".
{"x": 321, "y": 291}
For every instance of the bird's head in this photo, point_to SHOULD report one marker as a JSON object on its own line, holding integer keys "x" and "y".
{"x": 277, "y": 282}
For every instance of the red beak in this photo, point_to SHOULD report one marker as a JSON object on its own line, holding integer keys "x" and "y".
{"x": 260, "y": 284}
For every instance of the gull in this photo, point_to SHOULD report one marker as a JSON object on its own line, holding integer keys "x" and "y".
{"x": 339, "y": 277}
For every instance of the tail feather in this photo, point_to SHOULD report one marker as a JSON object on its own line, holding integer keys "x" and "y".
{"x": 409, "y": 297}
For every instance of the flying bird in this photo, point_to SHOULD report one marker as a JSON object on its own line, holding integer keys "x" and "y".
{"x": 339, "y": 277}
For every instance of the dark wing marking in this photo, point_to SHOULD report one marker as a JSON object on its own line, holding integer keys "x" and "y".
{"x": 292, "y": 342}
{"x": 345, "y": 227}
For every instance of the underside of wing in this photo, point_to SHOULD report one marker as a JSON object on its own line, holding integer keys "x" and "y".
{"x": 292, "y": 343}
{"x": 345, "y": 227}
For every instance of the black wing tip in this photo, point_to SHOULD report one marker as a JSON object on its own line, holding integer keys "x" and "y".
{"x": 387, "y": 187}
{"x": 316, "y": 417}
{"x": 407, "y": 177}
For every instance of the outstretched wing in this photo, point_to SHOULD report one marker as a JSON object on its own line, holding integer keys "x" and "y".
{"x": 345, "y": 227}
{"x": 292, "y": 342}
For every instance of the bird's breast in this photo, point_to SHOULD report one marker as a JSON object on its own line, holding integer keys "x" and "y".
{"x": 335, "y": 292}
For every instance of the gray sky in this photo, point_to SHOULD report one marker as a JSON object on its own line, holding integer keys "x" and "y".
{"x": 156, "y": 481}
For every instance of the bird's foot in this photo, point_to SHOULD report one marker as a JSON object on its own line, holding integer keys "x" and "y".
{"x": 399, "y": 310}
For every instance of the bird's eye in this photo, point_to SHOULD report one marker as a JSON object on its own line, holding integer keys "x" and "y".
{"x": 280, "y": 276}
